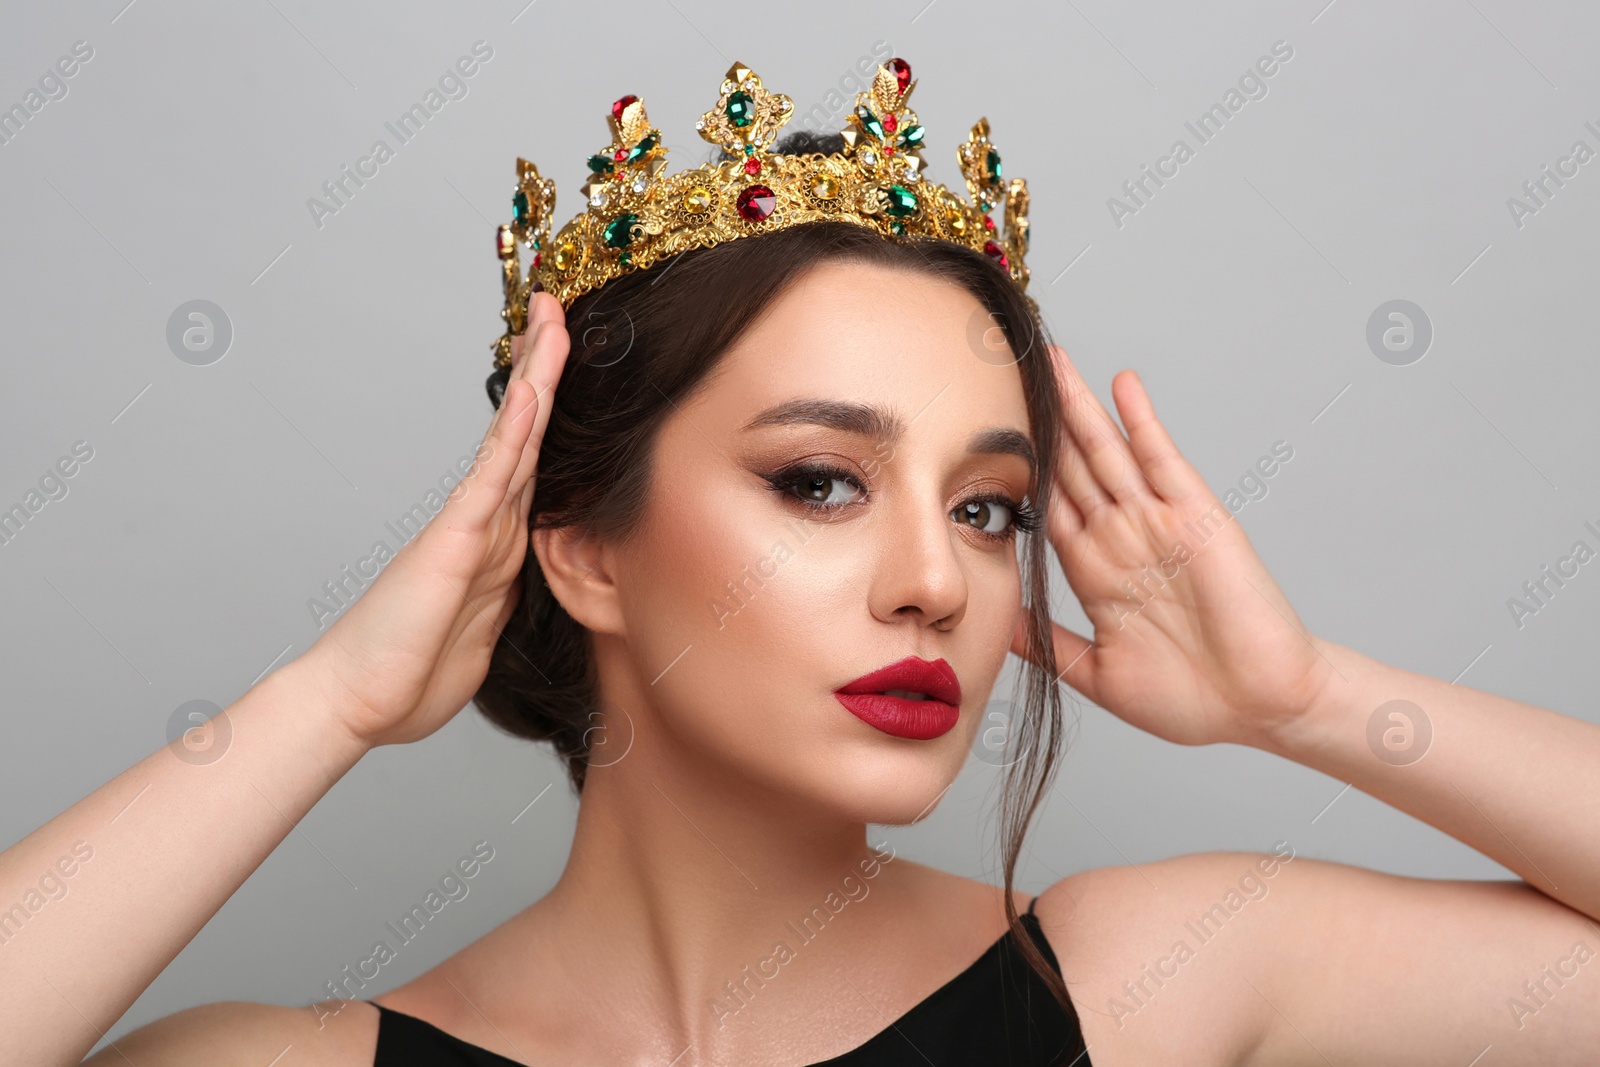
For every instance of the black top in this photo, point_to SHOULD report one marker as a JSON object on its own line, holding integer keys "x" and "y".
{"x": 997, "y": 1011}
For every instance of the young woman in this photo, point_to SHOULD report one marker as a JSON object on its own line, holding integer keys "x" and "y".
{"x": 771, "y": 576}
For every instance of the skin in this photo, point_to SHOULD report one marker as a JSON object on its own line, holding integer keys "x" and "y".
{"x": 740, "y": 791}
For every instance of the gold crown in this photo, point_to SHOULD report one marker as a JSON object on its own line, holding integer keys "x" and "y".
{"x": 637, "y": 217}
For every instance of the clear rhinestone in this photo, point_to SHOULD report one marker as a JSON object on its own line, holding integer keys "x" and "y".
{"x": 699, "y": 124}
{"x": 869, "y": 157}
{"x": 639, "y": 183}
{"x": 784, "y": 106}
{"x": 598, "y": 198}
{"x": 911, "y": 175}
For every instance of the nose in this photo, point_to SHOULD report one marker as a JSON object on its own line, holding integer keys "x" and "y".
{"x": 918, "y": 574}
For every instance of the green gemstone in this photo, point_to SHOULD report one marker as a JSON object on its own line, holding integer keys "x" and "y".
{"x": 619, "y": 231}
{"x": 647, "y": 142}
{"x": 911, "y": 136}
{"x": 626, "y": 259}
{"x": 741, "y": 108}
{"x": 749, "y": 149}
{"x": 897, "y": 227}
{"x": 869, "y": 121}
{"x": 519, "y": 206}
{"x": 985, "y": 206}
{"x": 902, "y": 201}
{"x": 600, "y": 163}
{"x": 991, "y": 163}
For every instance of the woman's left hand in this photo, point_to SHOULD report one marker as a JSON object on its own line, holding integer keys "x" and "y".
{"x": 1202, "y": 646}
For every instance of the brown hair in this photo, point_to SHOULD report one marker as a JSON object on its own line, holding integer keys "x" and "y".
{"x": 641, "y": 345}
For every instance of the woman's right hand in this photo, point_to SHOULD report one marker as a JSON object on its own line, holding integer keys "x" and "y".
{"x": 411, "y": 652}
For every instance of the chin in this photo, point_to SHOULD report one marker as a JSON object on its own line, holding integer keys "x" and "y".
{"x": 887, "y": 780}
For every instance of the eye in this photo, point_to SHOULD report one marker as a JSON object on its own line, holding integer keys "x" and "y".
{"x": 997, "y": 518}
{"x": 989, "y": 516}
{"x": 822, "y": 488}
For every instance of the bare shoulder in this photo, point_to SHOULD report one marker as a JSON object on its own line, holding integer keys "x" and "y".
{"x": 1267, "y": 958}
{"x": 326, "y": 1034}
{"x": 1153, "y": 953}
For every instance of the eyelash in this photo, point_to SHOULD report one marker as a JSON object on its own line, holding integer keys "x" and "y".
{"x": 1024, "y": 517}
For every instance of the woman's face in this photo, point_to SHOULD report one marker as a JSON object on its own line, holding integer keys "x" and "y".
{"x": 779, "y": 562}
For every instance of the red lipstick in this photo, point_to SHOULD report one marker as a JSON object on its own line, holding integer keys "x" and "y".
{"x": 880, "y": 699}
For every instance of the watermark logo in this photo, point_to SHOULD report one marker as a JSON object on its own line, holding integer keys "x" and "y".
{"x": 993, "y": 343}
{"x": 995, "y": 744}
{"x": 199, "y": 332}
{"x": 199, "y": 732}
{"x": 1399, "y": 732}
{"x": 606, "y": 741}
{"x": 605, "y": 337}
{"x": 1399, "y": 332}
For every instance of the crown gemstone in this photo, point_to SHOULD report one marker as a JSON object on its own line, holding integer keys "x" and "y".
{"x": 697, "y": 201}
{"x": 956, "y": 219}
{"x": 640, "y": 183}
{"x": 566, "y": 255}
{"x": 890, "y": 122}
{"x": 902, "y": 201}
{"x": 756, "y": 203}
{"x": 991, "y": 165}
{"x": 911, "y": 136}
{"x": 621, "y": 105}
{"x": 519, "y": 206}
{"x": 647, "y": 142}
{"x": 599, "y": 164}
{"x": 988, "y": 223}
{"x": 869, "y": 157}
{"x": 869, "y": 121}
{"x": 741, "y": 108}
{"x": 996, "y": 253}
{"x": 620, "y": 154}
{"x": 824, "y": 187}
{"x": 752, "y": 166}
{"x": 619, "y": 231}
{"x": 902, "y": 73}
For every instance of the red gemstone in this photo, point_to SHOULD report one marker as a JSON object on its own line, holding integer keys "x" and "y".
{"x": 538, "y": 257}
{"x": 620, "y": 154}
{"x": 752, "y": 166}
{"x": 902, "y": 72}
{"x": 756, "y": 203}
{"x": 621, "y": 105}
{"x": 988, "y": 223}
{"x": 996, "y": 253}
{"x": 890, "y": 122}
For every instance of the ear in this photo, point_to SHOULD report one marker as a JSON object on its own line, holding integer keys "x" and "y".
{"x": 580, "y": 571}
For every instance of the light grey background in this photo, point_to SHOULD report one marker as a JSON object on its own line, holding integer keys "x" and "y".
{"x": 220, "y": 498}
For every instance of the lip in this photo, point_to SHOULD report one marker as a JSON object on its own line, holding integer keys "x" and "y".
{"x": 918, "y": 720}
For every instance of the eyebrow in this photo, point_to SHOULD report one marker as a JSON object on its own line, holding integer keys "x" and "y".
{"x": 881, "y": 423}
